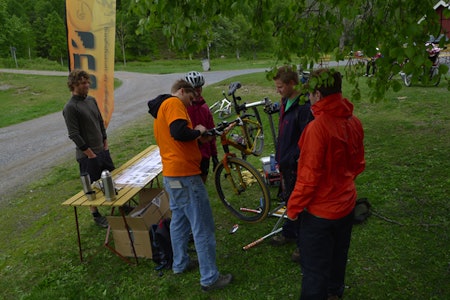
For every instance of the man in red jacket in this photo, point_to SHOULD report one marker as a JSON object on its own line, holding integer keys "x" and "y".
{"x": 332, "y": 156}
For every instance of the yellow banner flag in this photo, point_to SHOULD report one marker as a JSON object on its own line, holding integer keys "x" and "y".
{"x": 91, "y": 38}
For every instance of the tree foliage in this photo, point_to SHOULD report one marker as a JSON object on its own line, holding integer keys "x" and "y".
{"x": 292, "y": 31}
{"x": 307, "y": 29}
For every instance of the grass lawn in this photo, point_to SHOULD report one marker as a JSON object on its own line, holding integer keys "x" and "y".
{"x": 402, "y": 252}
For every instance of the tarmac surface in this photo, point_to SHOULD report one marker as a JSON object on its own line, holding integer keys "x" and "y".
{"x": 30, "y": 149}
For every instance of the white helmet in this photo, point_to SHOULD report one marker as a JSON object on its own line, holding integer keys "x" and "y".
{"x": 195, "y": 78}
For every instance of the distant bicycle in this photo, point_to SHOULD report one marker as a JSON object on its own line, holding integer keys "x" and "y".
{"x": 427, "y": 75}
{"x": 223, "y": 108}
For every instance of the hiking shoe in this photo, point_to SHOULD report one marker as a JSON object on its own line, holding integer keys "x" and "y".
{"x": 296, "y": 255}
{"x": 279, "y": 240}
{"x": 101, "y": 221}
{"x": 193, "y": 264}
{"x": 221, "y": 282}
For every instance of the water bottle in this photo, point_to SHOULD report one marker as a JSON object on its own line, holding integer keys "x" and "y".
{"x": 108, "y": 186}
{"x": 87, "y": 188}
{"x": 273, "y": 163}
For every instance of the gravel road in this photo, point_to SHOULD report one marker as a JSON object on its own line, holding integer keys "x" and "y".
{"x": 31, "y": 148}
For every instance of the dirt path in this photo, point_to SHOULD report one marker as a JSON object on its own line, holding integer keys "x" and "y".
{"x": 29, "y": 149}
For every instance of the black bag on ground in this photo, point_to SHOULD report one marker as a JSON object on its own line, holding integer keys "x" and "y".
{"x": 162, "y": 253}
{"x": 362, "y": 211}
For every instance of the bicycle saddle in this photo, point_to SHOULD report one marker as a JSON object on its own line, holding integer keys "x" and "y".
{"x": 233, "y": 87}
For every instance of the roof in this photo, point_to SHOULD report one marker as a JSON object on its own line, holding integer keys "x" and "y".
{"x": 441, "y": 3}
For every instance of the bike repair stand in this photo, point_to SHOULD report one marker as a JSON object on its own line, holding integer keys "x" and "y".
{"x": 276, "y": 229}
{"x": 269, "y": 110}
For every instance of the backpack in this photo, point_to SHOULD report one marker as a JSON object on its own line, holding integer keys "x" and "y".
{"x": 162, "y": 253}
{"x": 362, "y": 211}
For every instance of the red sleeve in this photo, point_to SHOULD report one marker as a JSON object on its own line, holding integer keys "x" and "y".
{"x": 309, "y": 171}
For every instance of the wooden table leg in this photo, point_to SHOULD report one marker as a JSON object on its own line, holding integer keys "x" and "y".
{"x": 78, "y": 233}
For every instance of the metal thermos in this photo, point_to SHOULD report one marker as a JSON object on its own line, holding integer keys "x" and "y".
{"x": 108, "y": 186}
{"x": 87, "y": 187}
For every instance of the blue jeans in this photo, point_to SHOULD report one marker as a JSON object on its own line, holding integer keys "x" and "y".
{"x": 324, "y": 248}
{"x": 191, "y": 211}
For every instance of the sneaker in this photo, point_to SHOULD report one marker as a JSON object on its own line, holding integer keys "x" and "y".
{"x": 193, "y": 264}
{"x": 279, "y": 240}
{"x": 296, "y": 255}
{"x": 221, "y": 282}
{"x": 101, "y": 221}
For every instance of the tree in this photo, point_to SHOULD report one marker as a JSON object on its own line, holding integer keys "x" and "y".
{"x": 18, "y": 35}
{"x": 3, "y": 39}
{"x": 309, "y": 28}
{"x": 55, "y": 36}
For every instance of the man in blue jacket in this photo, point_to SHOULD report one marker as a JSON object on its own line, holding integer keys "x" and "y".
{"x": 295, "y": 114}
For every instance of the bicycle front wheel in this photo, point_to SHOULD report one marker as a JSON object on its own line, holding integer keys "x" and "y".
{"x": 407, "y": 79}
{"x": 242, "y": 190}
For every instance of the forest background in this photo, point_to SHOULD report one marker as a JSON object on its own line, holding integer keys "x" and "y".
{"x": 304, "y": 32}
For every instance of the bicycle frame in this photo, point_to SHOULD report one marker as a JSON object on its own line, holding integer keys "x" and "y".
{"x": 222, "y": 107}
{"x": 250, "y": 126}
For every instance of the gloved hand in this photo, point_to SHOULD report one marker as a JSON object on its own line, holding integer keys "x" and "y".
{"x": 215, "y": 161}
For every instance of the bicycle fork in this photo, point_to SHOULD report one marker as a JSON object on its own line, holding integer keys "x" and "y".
{"x": 239, "y": 186}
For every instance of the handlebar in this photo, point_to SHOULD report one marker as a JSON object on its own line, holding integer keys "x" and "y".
{"x": 269, "y": 107}
{"x": 222, "y": 126}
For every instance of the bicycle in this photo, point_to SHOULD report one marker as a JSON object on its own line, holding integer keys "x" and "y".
{"x": 427, "y": 75}
{"x": 432, "y": 78}
{"x": 249, "y": 137}
{"x": 240, "y": 186}
{"x": 223, "y": 108}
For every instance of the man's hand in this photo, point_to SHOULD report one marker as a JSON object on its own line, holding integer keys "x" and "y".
{"x": 292, "y": 216}
{"x": 201, "y": 128}
{"x": 89, "y": 153}
{"x": 293, "y": 219}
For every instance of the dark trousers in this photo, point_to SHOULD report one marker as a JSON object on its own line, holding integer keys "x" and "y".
{"x": 371, "y": 63}
{"x": 289, "y": 176}
{"x": 324, "y": 248}
{"x": 95, "y": 166}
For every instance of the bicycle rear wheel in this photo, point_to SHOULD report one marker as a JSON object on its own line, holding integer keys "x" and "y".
{"x": 242, "y": 190}
{"x": 435, "y": 77}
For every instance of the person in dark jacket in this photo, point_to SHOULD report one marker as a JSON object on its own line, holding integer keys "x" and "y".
{"x": 295, "y": 114}
{"x": 86, "y": 129}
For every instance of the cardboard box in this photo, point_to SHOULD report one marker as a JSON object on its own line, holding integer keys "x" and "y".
{"x": 153, "y": 206}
